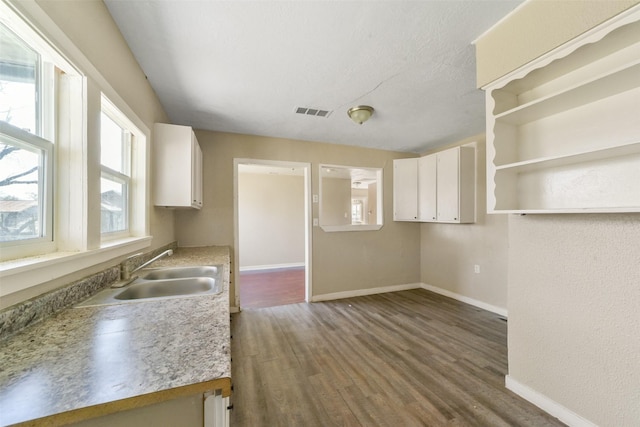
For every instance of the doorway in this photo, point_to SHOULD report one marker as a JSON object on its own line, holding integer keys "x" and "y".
{"x": 272, "y": 232}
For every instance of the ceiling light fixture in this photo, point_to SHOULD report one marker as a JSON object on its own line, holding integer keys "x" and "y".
{"x": 360, "y": 114}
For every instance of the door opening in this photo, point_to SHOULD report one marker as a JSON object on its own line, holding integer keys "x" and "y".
{"x": 272, "y": 232}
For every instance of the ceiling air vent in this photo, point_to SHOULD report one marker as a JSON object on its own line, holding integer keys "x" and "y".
{"x": 312, "y": 112}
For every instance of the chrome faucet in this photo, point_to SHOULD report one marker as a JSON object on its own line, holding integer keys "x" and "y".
{"x": 125, "y": 274}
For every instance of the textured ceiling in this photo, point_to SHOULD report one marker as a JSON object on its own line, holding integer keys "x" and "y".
{"x": 244, "y": 66}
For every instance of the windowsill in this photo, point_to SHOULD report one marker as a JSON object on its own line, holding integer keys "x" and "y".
{"x": 17, "y": 275}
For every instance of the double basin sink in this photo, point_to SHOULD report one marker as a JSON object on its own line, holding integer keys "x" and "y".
{"x": 168, "y": 282}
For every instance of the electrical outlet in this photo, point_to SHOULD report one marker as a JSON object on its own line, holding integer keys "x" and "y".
{"x": 476, "y": 268}
{"x": 315, "y": 222}
{"x": 315, "y": 198}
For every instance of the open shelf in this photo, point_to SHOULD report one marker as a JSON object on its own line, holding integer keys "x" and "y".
{"x": 569, "y": 159}
{"x": 597, "y": 88}
{"x": 563, "y": 132}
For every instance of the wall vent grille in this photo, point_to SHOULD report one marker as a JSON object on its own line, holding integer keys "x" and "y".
{"x": 312, "y": 112}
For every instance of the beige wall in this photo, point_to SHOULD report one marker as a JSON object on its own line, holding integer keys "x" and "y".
{"x": 573, "y": 280}
{"x": 372, "y": 204}
{"x": 450, "y": 251}
{"x": 271, "y": 220}
{"x": 535, "y": 28}
{"x": 341, "y": 261}
{"x": 87, "y": 28}
{"x": 336, "y": 201}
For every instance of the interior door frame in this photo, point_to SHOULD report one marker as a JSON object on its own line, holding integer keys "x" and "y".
{"x": 306, "y": 167}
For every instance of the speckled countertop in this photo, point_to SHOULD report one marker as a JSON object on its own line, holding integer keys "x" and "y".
{"x": 91, "y": 361}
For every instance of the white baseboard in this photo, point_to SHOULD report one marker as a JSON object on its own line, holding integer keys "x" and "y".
{"x": 483, "y": 305}
{"x": 363, "y": 292}
{"x": 271, "y": 266}
{"x": 550, "y": 406}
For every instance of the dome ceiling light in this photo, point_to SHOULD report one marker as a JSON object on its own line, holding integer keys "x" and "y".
{"x": 360, "y": 114}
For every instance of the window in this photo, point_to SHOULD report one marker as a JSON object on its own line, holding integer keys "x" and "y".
{"x": 115, "y": 178}
{"x": 25, "y": 186}
{"x": 26, "y": 148}
{"x": 57, "y": 164}
{"x": 122, "y": 175}
{"x": 19, "y": 83}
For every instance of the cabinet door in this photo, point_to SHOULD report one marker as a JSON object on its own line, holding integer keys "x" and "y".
{"x": 196, "y": 176}
{"x": 405, "y": 189}
{"x": 448, "y": 185}
{"x": 173, "y": 152}
{"x": 427, "y": 188}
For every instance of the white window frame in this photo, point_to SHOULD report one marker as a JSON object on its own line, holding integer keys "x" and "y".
{"x": 16, "y": 248}
{"x": 78, "y": 247}
{"x": 42, "y": 137}
{"x": 137, "y": 181}
{"x": 123, "y": 177}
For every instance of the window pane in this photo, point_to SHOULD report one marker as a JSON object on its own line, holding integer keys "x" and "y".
{"x": 18, "y": 82}
{"x": 111, "y": 145}
{"x": 21, "y": 195}
{"x": 113, "y": 205}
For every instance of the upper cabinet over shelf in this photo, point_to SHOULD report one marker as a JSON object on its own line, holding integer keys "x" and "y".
{"x": 563, "y": 132}
{"x": 177, "y": 167}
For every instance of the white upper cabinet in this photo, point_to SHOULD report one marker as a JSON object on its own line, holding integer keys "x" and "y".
{"x": 456, "y": 185}
{"x": 563, "y": 132}
{"x": 405, "y": 189}
{"x": 177, "y": 167}
{"x": 427, "y": 194}
{"x": 436, "y": 188}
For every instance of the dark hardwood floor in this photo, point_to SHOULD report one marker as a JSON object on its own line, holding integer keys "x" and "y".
{"x": 411, "y": 358}
{"x": 269, "y": 288}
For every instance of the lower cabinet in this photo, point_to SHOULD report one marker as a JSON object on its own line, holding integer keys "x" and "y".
{"x": 436, "y": 188}
{"x": 200, "y": 410}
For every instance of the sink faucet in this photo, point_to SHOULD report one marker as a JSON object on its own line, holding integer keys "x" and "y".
{"x": 125, "y": 274}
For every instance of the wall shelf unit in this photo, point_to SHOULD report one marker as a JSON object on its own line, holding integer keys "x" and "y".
{"x": 563, "y": 132}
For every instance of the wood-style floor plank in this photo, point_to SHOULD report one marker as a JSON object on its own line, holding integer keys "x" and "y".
{"x": 269, "y": 288}
{"x": 411, "y": 358}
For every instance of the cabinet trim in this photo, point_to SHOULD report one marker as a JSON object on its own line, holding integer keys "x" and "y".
{"x": 561, "y": 137}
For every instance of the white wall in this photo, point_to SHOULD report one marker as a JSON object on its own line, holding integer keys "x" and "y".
{"x": 574, "y": 319}
{"x": 271, "y": 220}
{"x": 573, "y": 280}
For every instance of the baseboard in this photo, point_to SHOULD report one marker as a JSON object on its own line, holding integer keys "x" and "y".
{"x": 550, "y": 406}
{"x": 234, "y": 309}
{"x": 363, "y": 292}
{"x": 483, "y": 305}
{"x": 271, "y": 266}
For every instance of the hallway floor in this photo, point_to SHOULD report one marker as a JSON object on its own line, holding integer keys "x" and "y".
{"x": 269, "y": 288}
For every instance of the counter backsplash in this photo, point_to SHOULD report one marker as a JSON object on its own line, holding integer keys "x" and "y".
{"x": 17, "y": 317}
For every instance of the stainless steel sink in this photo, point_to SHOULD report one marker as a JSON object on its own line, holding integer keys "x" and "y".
{"x": 180, "y": 272}
{"x": 169, "y": 287}
{"x": 157, "y": 283}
